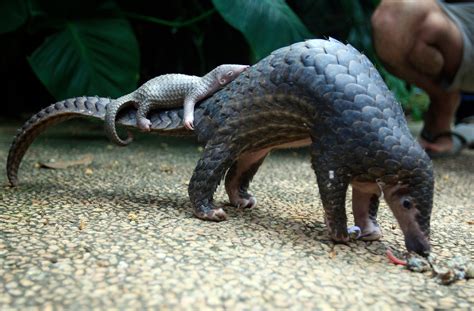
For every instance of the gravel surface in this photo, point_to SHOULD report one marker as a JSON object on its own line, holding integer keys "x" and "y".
{"x": 119, "y": 232}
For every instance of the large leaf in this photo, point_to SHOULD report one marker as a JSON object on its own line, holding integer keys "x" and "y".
{"x": 90, "y": 57}
{"x": 68, "y": 9}
{"x": 13, "y": 14}
{"x": 47, "y": 14}
{"x": 266, "y": 24}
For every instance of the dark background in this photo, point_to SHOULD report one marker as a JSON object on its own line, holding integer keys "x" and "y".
{"x": 192, "y": 49}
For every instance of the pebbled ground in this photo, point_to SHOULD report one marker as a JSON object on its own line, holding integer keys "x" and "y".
{"x": 120, "y": 233}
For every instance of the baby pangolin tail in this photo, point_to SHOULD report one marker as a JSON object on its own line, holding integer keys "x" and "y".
{"x": 110, "y": 116}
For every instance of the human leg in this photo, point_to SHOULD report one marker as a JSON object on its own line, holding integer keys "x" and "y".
{"x": 419, "y": 43}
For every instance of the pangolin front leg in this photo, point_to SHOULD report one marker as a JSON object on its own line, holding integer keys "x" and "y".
{"x": 240, "y": 175}
{"x": 365, "y": 207}
{"x": 189, "y": 103}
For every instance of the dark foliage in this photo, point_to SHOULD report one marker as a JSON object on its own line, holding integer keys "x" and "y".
{"x": 58, "y": 49}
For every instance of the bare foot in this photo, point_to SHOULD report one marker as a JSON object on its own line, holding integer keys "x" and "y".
{"x": 438, "y": 120}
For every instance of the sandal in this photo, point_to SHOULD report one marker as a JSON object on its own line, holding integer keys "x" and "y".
{"x": 459, "y": 142}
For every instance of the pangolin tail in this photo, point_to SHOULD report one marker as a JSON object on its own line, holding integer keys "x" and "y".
{"x": 167, "y": 122}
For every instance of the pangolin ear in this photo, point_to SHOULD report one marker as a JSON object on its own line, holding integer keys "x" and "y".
{"x": 222, "y": 81}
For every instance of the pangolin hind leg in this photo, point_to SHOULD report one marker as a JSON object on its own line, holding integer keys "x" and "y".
{"x": 332, "y": 184}
{"x": 240, "y": 175}
{"x": 215, "y": 160}
{"x": 143, "y": 109}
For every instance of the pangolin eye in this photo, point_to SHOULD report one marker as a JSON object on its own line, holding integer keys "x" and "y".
{"x": 230, "y": 73}
{"x": 406, "y": 204}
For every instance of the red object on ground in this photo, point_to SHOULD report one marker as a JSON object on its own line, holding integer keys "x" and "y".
{"x": 394, "y": 259}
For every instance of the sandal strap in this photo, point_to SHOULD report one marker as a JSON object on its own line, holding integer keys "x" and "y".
{"x": 433, "y": 138}
{"x": 427, "y": 136}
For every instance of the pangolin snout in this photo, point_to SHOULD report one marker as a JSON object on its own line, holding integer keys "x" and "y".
{"x": 418, "y": 244}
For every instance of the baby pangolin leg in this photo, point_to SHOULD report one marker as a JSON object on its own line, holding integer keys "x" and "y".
{"x": 240, "y": 175}
{"x": 189, "y": 103}
{"x": 144, "y": 107}
{"x": 364, "y": 207}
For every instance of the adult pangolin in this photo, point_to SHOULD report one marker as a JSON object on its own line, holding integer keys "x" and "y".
{"x": 320, "y": 93}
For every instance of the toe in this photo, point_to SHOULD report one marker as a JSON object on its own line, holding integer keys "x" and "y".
{"x": 242, "y": 202}
{"x": 219, "y": 214}
{"x": 252, "y": 201}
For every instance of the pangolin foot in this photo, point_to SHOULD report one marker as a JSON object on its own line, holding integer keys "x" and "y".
{"x": 144, "y": 124}
{"x": 189, "y": 124}
{"x": 372, "y": 233}
{"x": 211, "y": 214}
{"x": 340, "y": 237}
{"x": 244, "y": 200}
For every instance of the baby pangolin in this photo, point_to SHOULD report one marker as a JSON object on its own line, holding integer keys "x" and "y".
{"x": 169, "y": 91}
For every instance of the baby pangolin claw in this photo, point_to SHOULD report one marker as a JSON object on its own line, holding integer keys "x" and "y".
{"x": 189, "y": 124}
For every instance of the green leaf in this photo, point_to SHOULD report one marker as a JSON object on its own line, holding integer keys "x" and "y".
{"x": 414, "y": 101}
{"x": 396, "y": 85}
{"x": 48, "y": 15}
{"x": 70, "y": 9}
{"x": 90, "y": 57}
{"x": 13, "y": 14}
{"x": 266, "y": 24}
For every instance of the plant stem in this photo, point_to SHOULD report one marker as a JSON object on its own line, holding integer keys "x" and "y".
{"x": 174, "y": 24}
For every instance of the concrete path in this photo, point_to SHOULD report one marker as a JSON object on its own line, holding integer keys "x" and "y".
{"x": 119, "y": 233}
